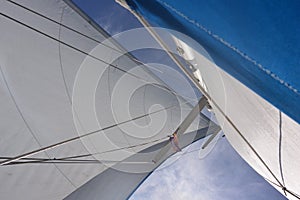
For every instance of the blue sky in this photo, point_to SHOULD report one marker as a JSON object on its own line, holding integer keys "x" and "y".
{"x": 223, "y": 174}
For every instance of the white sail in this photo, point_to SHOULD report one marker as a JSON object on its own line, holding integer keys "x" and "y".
{"x": 263, "y": 135}
{"x": 46, "y": 47}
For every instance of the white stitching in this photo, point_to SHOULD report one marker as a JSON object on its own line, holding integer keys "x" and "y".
{"x": 244, "y": 55}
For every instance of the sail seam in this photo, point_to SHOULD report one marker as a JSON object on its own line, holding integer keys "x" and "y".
{"x": 60, "y": 59}
{"x": 280, "y": 148}
{"x": 109, "y": 92}
{"x": 85, "y": 53}
{"x": 66, "y": 88}
{"x": 84, "y": 35}
{"x": 235, "y": 49}
{"x": 209, "y": 97}
{"x": 26, "y": 123}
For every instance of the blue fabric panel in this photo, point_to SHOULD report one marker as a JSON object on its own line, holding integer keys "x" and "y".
{"x": 256, "y": 41}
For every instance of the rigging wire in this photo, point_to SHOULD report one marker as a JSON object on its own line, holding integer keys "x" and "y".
{"x": 80, "y": 162}
{"x": 69, "y": 28}
{"x": 78, "y": 32}
{"x": 96, "y": 58}
{"x": 16, "y": 158}
{"x": 285, "y": 190}
{"x": 68, "y": 45}
{"x": 92, "y": 39}
{"x": 70, "y": 159}
{"x": 79, "y": 50}
{"x": 193, "y": 79}
{"x": 87, "y": 54}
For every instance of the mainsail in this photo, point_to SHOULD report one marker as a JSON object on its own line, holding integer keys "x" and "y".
{"x": 62, "y": 135}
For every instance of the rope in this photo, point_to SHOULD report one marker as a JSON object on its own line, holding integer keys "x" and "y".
{"x": 16, "y": 158}
{"x": 146, "y": 24}
{"x": 94, "y": 57}
{"x": 71, "y": 158}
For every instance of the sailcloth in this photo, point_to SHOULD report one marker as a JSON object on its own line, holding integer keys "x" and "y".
{"x": 56, "y": 141}
{"x": 248, "y": 67}
{"x": 254, "y": 41}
